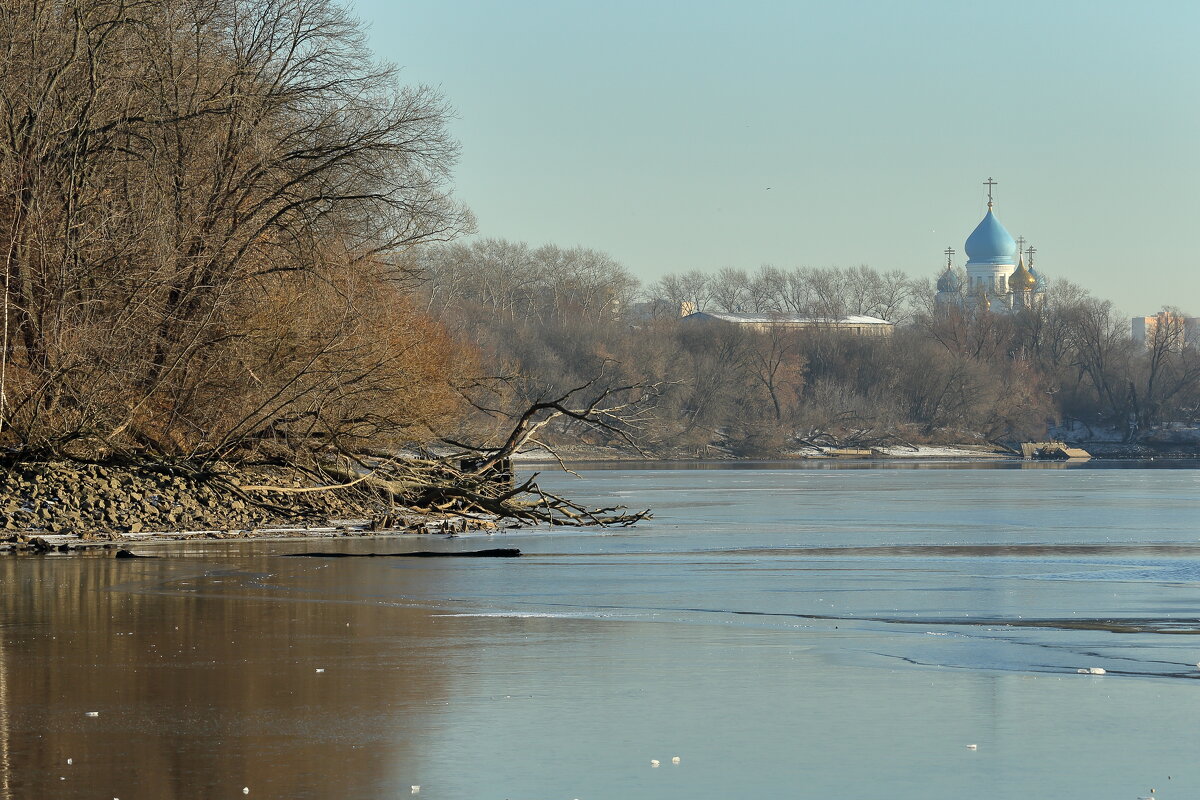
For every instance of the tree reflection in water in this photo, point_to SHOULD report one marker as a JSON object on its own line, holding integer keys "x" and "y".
{"x": 173, "y": 651}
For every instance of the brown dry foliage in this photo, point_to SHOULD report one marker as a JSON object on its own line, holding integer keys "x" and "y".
{"x": 193, "y": 198}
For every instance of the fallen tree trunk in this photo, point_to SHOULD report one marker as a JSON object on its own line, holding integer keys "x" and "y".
{"x": 475, "y": 481}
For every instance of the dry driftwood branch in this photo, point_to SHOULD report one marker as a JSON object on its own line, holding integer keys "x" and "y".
{"x": 854, "y": 438}
{"x": 477, "y": 481}
{"x": 604, "y": 411}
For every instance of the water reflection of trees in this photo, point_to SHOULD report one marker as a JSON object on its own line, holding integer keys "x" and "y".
{"x": 204, "y": 682}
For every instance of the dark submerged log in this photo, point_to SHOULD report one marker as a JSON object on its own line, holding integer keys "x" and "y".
{"x": 495, "y": 552}
{"x": 128, "y": 554}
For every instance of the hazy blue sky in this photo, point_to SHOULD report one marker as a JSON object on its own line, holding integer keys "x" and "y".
{"x": 681, "y": 135}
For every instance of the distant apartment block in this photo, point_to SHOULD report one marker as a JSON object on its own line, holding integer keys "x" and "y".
{"x": 1175, "y": 331}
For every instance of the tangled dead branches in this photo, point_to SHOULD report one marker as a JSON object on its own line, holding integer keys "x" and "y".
{"x": 477, "y": 481}
{"x": 855, "y": 438}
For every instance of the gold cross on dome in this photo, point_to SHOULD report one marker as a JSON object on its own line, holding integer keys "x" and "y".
{"x": 990, "y": 183}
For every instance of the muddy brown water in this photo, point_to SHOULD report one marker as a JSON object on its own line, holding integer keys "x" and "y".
{"x": 785, "y": 630}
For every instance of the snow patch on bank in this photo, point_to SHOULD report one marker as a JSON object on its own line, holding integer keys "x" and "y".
{"x": 932, "y": 451}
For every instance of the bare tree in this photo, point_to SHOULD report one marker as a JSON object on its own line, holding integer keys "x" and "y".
{"x": 1102, "y": 347}
{"x": 1170, "y": 365}
{"x": 774, "y": 358}
{"x": 165, "y": 164}
{"x": 730, "y": 290}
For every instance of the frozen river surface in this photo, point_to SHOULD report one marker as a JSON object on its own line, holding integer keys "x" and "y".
{"x": 786, "y": 631}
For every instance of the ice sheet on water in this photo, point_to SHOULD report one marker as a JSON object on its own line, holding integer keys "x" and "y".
{"x": 1173, "y": 572}
{"x": 538, "y": 615}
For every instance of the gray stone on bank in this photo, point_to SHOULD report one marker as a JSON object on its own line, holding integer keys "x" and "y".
{"x": 47, "y": 507}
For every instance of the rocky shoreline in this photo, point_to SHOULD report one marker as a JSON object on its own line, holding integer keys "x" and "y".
{"x": 62, "y": 506}
{"x": 1141, "y": 450}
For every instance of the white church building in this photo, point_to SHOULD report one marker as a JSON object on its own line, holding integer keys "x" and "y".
{"x": 998, "y": 277}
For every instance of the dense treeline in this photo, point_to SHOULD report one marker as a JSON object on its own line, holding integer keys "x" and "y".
{"x": 827, "y": 293}
{"x": 193, "y": 197}
{"x": 555, "y": 318}
{"x": 225, "y": 228}
{"x": 209, "y": 213}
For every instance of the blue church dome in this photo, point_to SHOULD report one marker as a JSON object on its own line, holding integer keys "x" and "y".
{"x": 949, "y": 281}
{"x": 989, "y": 243}
{"x": 1040, "y": 286}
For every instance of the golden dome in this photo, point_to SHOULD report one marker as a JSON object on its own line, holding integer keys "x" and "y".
{"x": 1022, "y": 280}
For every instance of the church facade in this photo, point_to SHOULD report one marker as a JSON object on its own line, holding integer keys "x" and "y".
{"x": 998, "y": 277}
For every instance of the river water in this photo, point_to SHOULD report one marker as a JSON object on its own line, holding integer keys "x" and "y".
{"x": 787, "y": 631}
